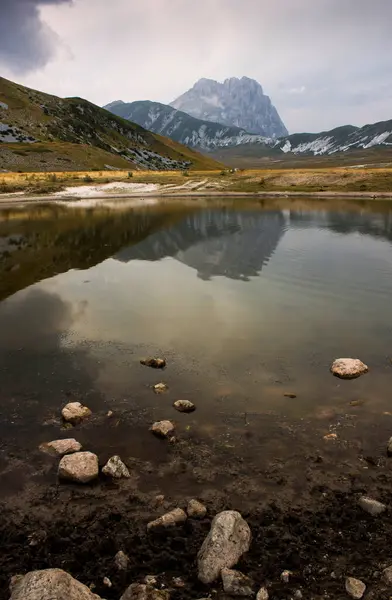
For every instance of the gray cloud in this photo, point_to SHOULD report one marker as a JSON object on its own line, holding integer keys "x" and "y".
{"x": 337, "y": 51}
{"x": 26, "y": 42}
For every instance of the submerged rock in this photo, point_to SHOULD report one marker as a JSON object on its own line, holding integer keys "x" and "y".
{"x": 50, "y": 584}
{"x": 169, "y": 519}
{"x": 229, "y": 538}
{"x": 81, "y": 467}
{"x": 355, "y": 588}
{"x": 121, "y": 560}
{"x": 184, "y": 406}
{"x": 163, "y": 428}
{"x": 236, "y": 583}
{"x": 196, "y": 509}
{"x": 75, "y": 412}
{"x": 348, "y": 368}
{"x": 116, "y": 468}
{"x": 61, "y": 447}
{"x": 155, "y": 363}
{"x": 141, "y": 591}
{"x": 373, "y": 507}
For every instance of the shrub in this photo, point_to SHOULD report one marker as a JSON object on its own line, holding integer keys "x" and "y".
{"x": 185, "y": 173}
{"x": 88, "y": 179}
{"x": 130, "y": 174}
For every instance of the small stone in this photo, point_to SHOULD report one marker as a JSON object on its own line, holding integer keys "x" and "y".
{"x": 163, "y": 428}
{"x": 262, "y": 594}
{"x": 141, "y": 591}
{"x": 38, "y": 537}
{"x": 387, "y": 575}
{"x": 184, "y": 406}
{"x": 150, "y": 580}
{"x": 236, "y": 583}
{"x": 355, "y": 588}
{"x": 160, "y": 388}
{"x": 81, "y": 467}
{"x": 298, "y": 595}
{"x": 228, "y": 539}
{"x": 107, "y": 582}
{"x": 373, "y": 507}
{"x": 169, "y": 519}
{"x": 159, "y": 499}
{"x": 348, "y": 368}
{"x": 61, "y": 447}
{"x": 109, "y": 413}
{"x": 389, "y": 447}
{"x": 121, "y": 560}
{"x": 330, "y": 436}
{"x": 115, "y": 468}
{"x": 357, "y": 402}
{"x": 178, "y": 582}
{"x": 155, "y": 363}
{"x": 74, "y": 412}
{"x": 288, "y": 395}
{"x": 285, "y": 576}
{"x": 196, "y": 509}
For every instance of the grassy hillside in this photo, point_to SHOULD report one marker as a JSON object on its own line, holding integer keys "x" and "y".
{"x": 43, "y": 132}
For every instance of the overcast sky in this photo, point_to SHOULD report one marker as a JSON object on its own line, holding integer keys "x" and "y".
{"x": 324, "y": 63}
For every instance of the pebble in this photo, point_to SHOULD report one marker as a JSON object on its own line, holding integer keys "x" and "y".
{"x": 115, "y": 468}
{"x": 141, "y": 591}
{"x": 348, "y": 368}
{"x": 163, "y": 428}
{"x": 290, "y": 395}
{"x": 262, "y": 594}
{"x": 75, "y": 412}
{"x": 355, "y": 588}
{"x": 150, "y": 580}
{"x": 389, "y": 447}
{"x": 81, "y": 467}
{"x": 236, "y": 583}
{"x": 155, "y": 363}
{"x": 61, "y": 447}
{"x": 373, "y": 507}
{"x": 107, "y": 582}
{"x": 285, "y": 576}
{"x": 196, "y": 509}
{"x": 169, "y": 519}
{"x": 160, "y": 388}
{"x": 184, "y": 406}
{"x": 121, "y": 561}
{"x": 109, "y": 413}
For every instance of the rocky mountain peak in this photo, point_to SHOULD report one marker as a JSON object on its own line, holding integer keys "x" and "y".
{"x": 235, "y": 102}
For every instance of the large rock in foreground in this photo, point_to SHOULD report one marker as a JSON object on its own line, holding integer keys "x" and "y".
{"x": 50, "y": 584}
{"x": 348, "y": 368}
{"x": 229, "y": 538}
{"x": 61, "y": 447}
{"x": 81, "y": 467}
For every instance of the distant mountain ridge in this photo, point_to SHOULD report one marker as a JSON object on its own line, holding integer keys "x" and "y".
{"x": 235, "y": 103}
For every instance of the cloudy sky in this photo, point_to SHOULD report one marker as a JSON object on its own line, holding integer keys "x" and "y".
{"x": 323, "y": 62}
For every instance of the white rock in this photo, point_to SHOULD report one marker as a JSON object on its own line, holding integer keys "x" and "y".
{"x": 116, "y": 468}
{"x": 229, "y": 538}
{"x": 121, "y": 561}
{"x": 373, "y": 507}
{"x": 169, "y": 519}
{"x": 74, "y": 412}
{"x": 185, "y": 406}
{"x": 348, "y": 368}
{"x": 141, "y": 591}
{"x": 236, "y": 583}
{"x": 50, "y": 584}
{"x": 163, "y": 428}
{"x": 81, "y": 467}
{"x": 262, "y": 594}
{"x": 196, "y": 509}
{"x": 61, "y": 447}
{"x": 355, "y": 588}
{"x": 387, "y": 575}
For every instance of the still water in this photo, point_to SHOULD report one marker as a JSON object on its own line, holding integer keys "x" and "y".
{"x": 246, "y": 301}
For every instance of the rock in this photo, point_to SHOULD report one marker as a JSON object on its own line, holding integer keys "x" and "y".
{"x": 285, "y": 576}
{"x": 373, "y": 507}
{"x": 330, "y": 436}
{"x": 355, "y": 588}
{"x": 107, "y": 582}
{"x": 184, "y": 406}
{"x": 37, "y": 538}
{"x": 290, "y": 395}
{"x": 160, "y": 388}
{"x": 178, "y": 582}
{"x": 348, "y": 368}
{"x": 121, "y": 560}
{"x": 387, "y": 575}
{"x": 74, "y": 412}
{"x": 160, "y": 499}
{"x": 169, "y": 519}
{"x": 116, "y": 468}
{"x": 141, "y": 591}
{"x": 196, "y": 509}
{"x": 228, "y": 539}
{"x": 109, "y": 414}
{"x": 61, "y": 447}
{"x": 163, "y": 428}
{"x": 150, "y": 580}
{"x": 50, "y": 584}
{"x": 262, "y": 594}
{"x": 81, "y": 467}
{"x": 298, "y": 595}
{"x": 236, "y": 584}
{"x": 155, "y": 363}
{"x": 389, "y": 447}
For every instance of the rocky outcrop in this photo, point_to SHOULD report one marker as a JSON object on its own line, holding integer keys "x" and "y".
{"x": 116, "y": 468}
{"x": 348, "y": 368}
{"x": 121, "y": 560}
{"x": 61, "y": 447}
{"x": 229, "y": 538}
{"x": 50, "y": 584}
{"x": 80, "y": 467}
{"x": 155, "y": 363}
